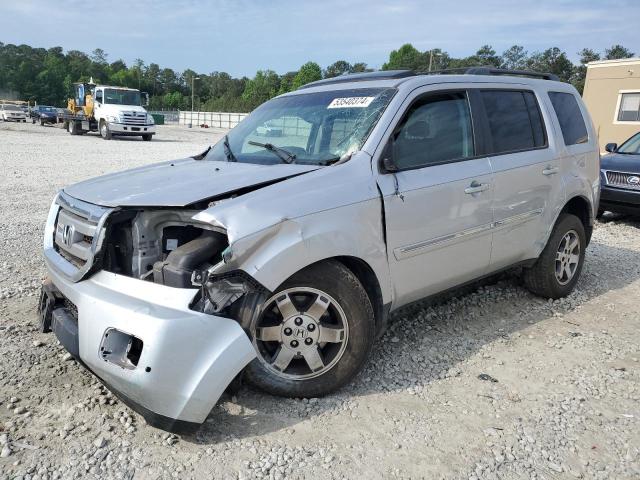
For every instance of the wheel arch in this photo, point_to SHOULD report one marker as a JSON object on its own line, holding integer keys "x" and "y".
{"x": 369, "y": 280}
{"x": 367, "y": 277}
{"x": 581, "y": 208}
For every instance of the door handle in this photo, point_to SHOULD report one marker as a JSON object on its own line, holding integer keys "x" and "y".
{"x": 476, "y": 187}
{"x": 550, "y": 170}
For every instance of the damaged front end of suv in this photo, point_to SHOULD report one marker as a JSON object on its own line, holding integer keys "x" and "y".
{"x": 167, "y": 281}
{"x": 126, "y": 296}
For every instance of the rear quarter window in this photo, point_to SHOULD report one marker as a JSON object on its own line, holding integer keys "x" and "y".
{"x": 574, "y": 130}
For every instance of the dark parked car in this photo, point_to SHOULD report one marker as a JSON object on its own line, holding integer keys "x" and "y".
{"x": 44, "y": 114}
{"x": 620, "y": 177}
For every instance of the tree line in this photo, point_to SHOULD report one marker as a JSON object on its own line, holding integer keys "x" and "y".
{"x": 47, "y": 75}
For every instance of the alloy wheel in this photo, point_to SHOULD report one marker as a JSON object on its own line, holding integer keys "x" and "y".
{"x": 301, "y": 333}
{"x": 567, "y": 257}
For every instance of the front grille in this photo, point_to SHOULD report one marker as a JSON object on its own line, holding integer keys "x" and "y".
{"x": 134, "y": 118}
{"x": 624, "y": 180}
{"x": 74, "y": 236}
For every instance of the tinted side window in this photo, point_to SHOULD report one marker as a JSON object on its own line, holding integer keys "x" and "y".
{"x": 572, "y": 124}
{"x": 514, "y": 120}
{"x": 436, "y": 129}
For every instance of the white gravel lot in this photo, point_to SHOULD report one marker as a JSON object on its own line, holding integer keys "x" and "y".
{"x": 565, "y": 402}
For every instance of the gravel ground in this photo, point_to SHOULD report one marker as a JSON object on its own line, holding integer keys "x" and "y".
{"x": 559, "y": 397}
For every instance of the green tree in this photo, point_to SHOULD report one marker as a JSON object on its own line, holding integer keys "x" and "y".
{"x": 580, "y": 72}
{"x": 99, "y": 68}
{"x": 616, "y": 52}
{"x": 309, "y": 72}
{"x": 406, "y": 57}
{"x": 486, "y": 55}
{"x": 552, "y": 60}
{"x": 514, "y": 58}
{"x": 286, "y": 82}
{"x": 338, "y": 68}
{"x": 359, "y": 67}
{"x": 261, "y": 88}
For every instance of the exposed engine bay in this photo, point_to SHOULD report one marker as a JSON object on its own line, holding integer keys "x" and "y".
{"x": 167, "y": 247}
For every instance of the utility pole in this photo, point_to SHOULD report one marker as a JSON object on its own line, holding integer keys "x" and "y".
{"x": 193, "y": 79}
{"x": 431, "y": 58}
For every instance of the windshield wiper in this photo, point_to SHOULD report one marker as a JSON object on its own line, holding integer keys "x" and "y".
{"x": 285, "y": 156}
{"x": 227, "y": 150}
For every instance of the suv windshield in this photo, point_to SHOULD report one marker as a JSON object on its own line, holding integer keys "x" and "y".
{"x": 43, "y": 108}
{"x": 13, "y": 108}
{"x": 307, "y": 128}
{"x": 631, "y": 146}
{"x": 115, "y": 96}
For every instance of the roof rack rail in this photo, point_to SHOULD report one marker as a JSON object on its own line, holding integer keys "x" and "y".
{"x": 399, "y": 74}
{"x": 355, "y": 77}
{"x": 484, "y": 70}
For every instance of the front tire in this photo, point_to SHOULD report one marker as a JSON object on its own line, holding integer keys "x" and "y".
{"x": 147, "y": 137}
{"x": 313, "y": 335}
{"x": 556, "y": 272}
{"x": 105, "y": 132}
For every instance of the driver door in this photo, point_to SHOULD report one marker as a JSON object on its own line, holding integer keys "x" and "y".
{"x": 98, "y": 102}
{"x": 438, "y": 204}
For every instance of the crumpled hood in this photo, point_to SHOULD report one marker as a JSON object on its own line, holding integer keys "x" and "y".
{"x": 178, "y": 183}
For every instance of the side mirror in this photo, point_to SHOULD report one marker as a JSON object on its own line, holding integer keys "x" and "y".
{"x": 387, "y": 162}
{"x": 611, "y": 147}
{"x": 145, "y": 101}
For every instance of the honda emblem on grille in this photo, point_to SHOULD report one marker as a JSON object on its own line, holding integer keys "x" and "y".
{"x": 633, "y": 180}
{"x": 67, "y": 234}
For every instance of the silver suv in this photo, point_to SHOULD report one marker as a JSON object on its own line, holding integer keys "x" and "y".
{"x": 279, "y": 252}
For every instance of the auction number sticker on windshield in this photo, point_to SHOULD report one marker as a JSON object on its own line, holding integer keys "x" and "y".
{"x": 351, "y": 102}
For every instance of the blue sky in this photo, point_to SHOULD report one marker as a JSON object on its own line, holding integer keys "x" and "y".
{"x": 242, "y": 36}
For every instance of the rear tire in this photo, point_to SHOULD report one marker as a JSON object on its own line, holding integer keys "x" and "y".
{"x": 556, "y": 272}
{"x": 347, "y": 327}
{"x": 105, "y": 133}
{"x": 72, "y": 127}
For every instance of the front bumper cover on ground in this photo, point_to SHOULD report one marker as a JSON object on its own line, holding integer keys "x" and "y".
{"x": 186, "y": 360}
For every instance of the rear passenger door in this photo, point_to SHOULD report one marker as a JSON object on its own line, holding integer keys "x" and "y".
{"x": 438, "y": 204}
{"x": 526, "y": 168}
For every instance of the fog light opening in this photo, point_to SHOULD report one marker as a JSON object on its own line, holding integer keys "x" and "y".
{"x": 121, "y": 348}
